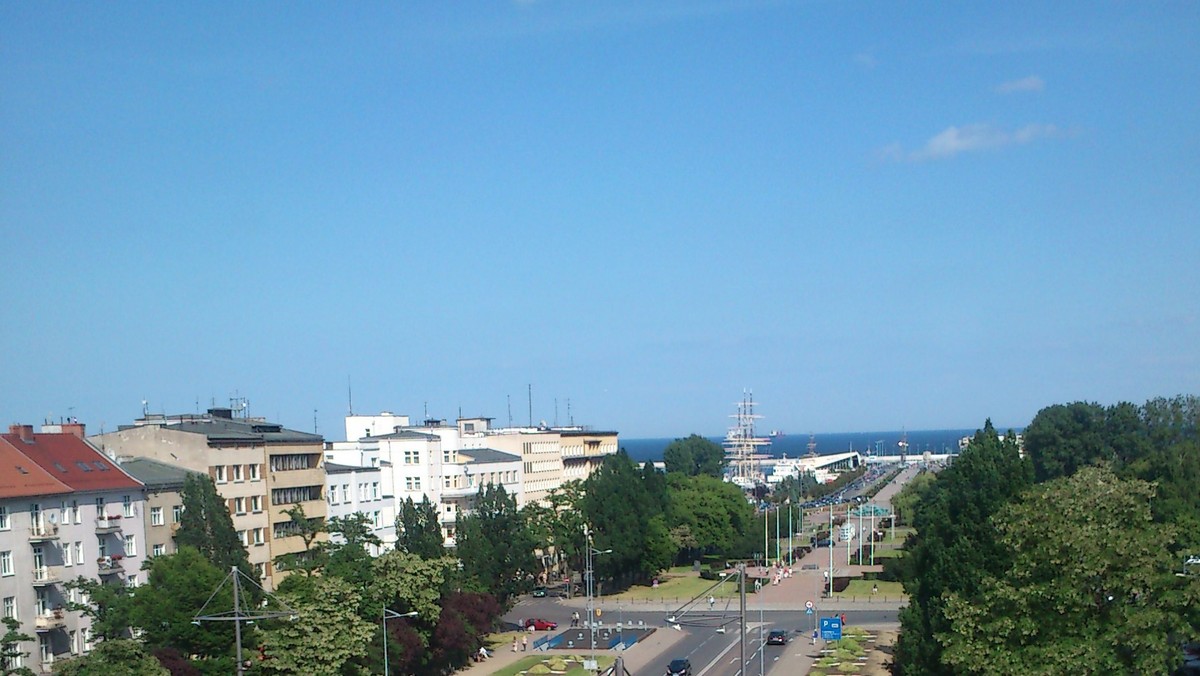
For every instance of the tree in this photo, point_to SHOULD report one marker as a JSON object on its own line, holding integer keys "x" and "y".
{"x": 109, "y": 605}
{"x": 953, "y": 549}
{"x": 115, "y": 656}
{"x": 712, "y": 513}
{"x": 906, "y": 502}
{"x": 495, "y": 545}
{"x": 1087, "y": 555}
{"x": 1063, "y": 438}
{"x": 622, "y": 517}
{"x": 178, "y": 587}
{"x": 10, "y": 649}
{"x": 693, "y": 456}
{"x": 207, "y": 526}
{"x": 418, "y": 530}
{"x": 326, "y": 634}
{"x": 315, "y": 554}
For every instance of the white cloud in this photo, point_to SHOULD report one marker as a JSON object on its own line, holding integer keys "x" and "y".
{"x": 1032, "y": 83}
{"x": 968, "y": 138}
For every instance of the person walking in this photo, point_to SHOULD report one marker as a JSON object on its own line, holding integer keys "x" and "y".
{"x": 514, "y": 644}
{"x": 711, "y": 602}
{"x": 524, "y": 643}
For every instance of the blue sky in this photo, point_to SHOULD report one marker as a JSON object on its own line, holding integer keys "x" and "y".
{"x": 872, "y": 215}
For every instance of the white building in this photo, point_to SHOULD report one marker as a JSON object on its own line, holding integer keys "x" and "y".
{"x": 352, "y": 489}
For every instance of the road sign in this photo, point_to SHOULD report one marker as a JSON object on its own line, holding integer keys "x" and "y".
{"x": 808, "y": 611}
{"x": 831, "y": 628}
{"x": 808, "y": 604}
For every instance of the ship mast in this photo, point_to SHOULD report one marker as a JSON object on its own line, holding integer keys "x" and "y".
{"x": 742, "y": 446}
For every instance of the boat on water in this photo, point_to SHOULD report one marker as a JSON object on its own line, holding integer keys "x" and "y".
{"x": 744, "y": 450}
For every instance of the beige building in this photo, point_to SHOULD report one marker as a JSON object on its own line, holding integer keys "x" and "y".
{"x": 260, "y": 468}
{"x": 164, "y": 505}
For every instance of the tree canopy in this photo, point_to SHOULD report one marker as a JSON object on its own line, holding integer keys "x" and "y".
{"x": 495, "y": 545}
{"x": 207, "y": 526}
{"x": 1090, "y": 588}
{"x": 693, "y": 456}
{"x": 418, "y": 530}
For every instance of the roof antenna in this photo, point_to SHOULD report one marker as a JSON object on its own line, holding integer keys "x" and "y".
{"x": 508, "y": 397}
{"x": 349, "y": 396}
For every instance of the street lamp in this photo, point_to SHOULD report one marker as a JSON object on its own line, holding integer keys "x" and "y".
{"x": 393, "y": 615}
{"x": 590, "y": 575}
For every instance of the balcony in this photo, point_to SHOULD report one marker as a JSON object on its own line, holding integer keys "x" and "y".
{"x": 110, "y": 565}
{"x": 43, "y": 533}
{"x": 49, "y": 621}
{"x": 46, "y": 575}
{"x": 108, "y": 524}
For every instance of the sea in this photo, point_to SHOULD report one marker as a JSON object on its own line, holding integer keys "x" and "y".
{"x": 796, "y": 445}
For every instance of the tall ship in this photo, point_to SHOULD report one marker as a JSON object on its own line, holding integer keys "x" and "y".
{"x": 744, "y": 451}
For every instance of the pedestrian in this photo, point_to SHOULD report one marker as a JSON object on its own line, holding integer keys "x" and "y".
{"x": 712, "y": 601}
{"x": 874, "y": 589}
{"x": 843, "y": 619}
{"x": 514, "y": 644}
{"x": 524, "y": 643}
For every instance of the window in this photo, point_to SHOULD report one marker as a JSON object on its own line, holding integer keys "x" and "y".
{"x": 376, "y": 519}
{"x": 294, "y": 494}
{"x": 73, "y": 640}
{"x": 156, "y": 516}
{"x": 6, "y": 563}
{"x": 252, "y": 470}
{"x": 79, "y": 552}
{"x": 243, "y": 537}
{"x": 374, "y": 490}
{"x": 362, "y": 492}
{"x": 239, "y": 505}
{"x": 345, "y": 492}
{"x": 176, "y": 513}
{"x": 294, "y": 461}
{"x": 256, "y": 503}
{"x": 127, "y": 506}
{"x": 4, "y": 522}
{"x": 10, "y": 607}
{"x": 87, "y": 639}
{"x": 412, "y": 483}
{"x": 130, "y": 545}
{"x": 158, "y": 550}
{"x": 219, "y": 471}
{"x": 445, "y": 482}
{"x": 447, "y": 455}
{"x": 333, "y": 494}
{"x": 258, "y": 536}
{"x": 237, "y": 472}
{"x": 412, "y": 457}
{"x": 67, "y": 554}
{"x": 260, "y": 569}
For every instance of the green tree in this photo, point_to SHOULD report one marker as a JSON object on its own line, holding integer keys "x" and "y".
{"x": 693, "y": 456}
{"x": 10, "y": 649}
{"x": 953, "y": 549}
{"x": 495, "y": 544}
{"x": 315, "y": 554}
{"x": 418, "y": 530}
{"x": 115, "y": 656}
{"x": 178, "y": 587}
{"x": 1088, "y": 559}
{"x": 905, "y": 502}
{"x": 1065, "y": 437}
{"x": 713, "y": 514}
{"x": 567, "y": 525}
{"x": 326, "y": 634}
{"x": 622, "y": 517}
{"x": 109, "y": 605}
{"x": 207, "y": 526}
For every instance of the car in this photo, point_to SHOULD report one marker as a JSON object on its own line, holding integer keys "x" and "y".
{"x": 679, "y": 667}
{"x": 777, "y": 637}
{"x": 539, "y": 624}
{"x": 809, "y": 566}
{"x": 823, "y": 543}
{"x": 539, "y": 593}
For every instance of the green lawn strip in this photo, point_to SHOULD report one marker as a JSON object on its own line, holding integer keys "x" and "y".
{"x": 671, "y": 586}
{"x": 546, "y": 664}
{"x": 862, "y": 588}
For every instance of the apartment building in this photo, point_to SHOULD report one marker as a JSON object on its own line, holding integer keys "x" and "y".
{"x": 354, "y": 489}
{"x": 164, "y": 505}
{"x": 261, "y": 469}
{"x": 66, "y": 511}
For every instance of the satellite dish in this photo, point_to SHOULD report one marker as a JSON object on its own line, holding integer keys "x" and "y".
{"x": 53, "y": 518}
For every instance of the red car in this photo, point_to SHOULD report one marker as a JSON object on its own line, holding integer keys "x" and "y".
{"x": 539, "y": 624}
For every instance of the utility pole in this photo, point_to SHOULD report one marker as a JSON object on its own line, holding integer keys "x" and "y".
{"x": 742, "y": 617}
{"x": 830, "y": 551}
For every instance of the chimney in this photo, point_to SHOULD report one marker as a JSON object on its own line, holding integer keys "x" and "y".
{"x": 25, "y": 432}
{"x": 75, "y": 428}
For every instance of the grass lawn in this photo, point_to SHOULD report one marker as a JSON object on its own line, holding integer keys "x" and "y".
{"x": 862, "y": 588}
{"x": 558, "y": 664}
{"x": 677, "y": 583}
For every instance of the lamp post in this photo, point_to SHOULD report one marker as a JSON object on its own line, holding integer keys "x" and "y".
{"x": 242, "y": 613}
{"x": 589, "y": 573}
{"x": 393, "y": 615}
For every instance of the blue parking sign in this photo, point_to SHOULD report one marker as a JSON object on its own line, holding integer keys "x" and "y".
{"x": 831, "y": 628}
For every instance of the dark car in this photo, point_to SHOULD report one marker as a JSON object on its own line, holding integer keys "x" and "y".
{"x": 679, "y": 668}
{"x": 539, "y": 624}
{"x": 777, "y": 637}
{"x": 823, "y": 543}
{"x": 539, "y": 593}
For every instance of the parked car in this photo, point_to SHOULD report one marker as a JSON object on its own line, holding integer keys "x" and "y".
{"x": 777, "y": 637}
{"x": 679, "y": 668}
{"x": 539, "y": 624}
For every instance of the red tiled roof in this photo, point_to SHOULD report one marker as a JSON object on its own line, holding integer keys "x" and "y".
{"x": 20, "y": 477}
{"x": 72, "y": 461}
